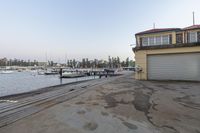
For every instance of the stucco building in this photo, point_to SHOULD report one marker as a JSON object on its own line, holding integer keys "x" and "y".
{"x": 168, "y": 54}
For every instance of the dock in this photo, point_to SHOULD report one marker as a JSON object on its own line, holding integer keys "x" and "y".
{"x": 101, "y": 73}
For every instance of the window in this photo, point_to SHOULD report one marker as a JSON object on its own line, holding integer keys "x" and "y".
{"x": 158, "y": 40}
{"x": 192, "y": 37}
{"x": 155, "y": 40}
{"x": 165, "y": 39}
{"x": 179, "y": 38}
{"x": 198, "y": 36}
{"x": 145, "y": 41}
{"x": 151, "y": 41}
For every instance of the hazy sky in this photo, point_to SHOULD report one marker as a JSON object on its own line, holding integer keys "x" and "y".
{"x": 84, "y": 28}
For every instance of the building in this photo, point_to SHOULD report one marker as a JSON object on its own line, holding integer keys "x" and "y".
{"x": 168, "y": 54}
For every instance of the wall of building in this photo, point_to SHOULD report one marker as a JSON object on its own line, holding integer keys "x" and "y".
{"x": 141, "y": 57}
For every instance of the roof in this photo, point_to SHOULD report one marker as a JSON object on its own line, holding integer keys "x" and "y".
{"x": 158, "y": 30}
{"x": 192, "y": 27}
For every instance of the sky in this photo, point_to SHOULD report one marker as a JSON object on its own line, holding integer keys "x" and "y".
{"x": 60, "y": 29}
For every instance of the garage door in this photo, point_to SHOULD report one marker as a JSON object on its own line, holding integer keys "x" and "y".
{"x": 174, "y": 67}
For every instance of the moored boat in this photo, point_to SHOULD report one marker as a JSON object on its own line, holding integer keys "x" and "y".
{"x": 6, "y": 72}
{"x": 41, "y": 72}
{"x": 51, "y": 73}
{"x": 72, "y": 74}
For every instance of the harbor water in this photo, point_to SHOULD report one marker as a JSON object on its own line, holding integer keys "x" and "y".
{"x": 19, "y": 82}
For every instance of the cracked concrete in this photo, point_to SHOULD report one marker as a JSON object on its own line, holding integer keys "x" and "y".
{"x": 123, "y": 105}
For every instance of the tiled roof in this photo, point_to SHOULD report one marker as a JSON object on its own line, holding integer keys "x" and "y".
{"x": 158, "y": 30}
{"x": 192, "y": 27}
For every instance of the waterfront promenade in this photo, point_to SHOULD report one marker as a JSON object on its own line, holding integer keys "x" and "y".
{"x": 112, "y": 105}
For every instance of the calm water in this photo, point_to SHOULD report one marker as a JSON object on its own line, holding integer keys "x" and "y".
{"x": 19, "y": 82}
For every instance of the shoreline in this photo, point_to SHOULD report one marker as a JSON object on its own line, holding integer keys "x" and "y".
{"x": 45, "y": 89}
{"x": 39, "y": 91}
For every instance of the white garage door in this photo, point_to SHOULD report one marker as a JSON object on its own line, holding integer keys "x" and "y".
{"x": 174, "y": 67}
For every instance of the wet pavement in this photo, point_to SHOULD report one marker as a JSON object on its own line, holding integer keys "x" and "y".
{"x": 123, "y": 105}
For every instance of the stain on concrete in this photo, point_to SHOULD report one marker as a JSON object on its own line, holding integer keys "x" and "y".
{"x": 176, "y": 119}
{"x": 171, "y": 128}
{"x": 197, "y": 131}
{"x": 81, "y": 112}
{"x": 130, "y": 125}
{"x": 184, "y": 98}
{"x": 154, "y": 106}
{"x": 104, "y": 113}
{"x": 166, "y": 87}
{"x": 186, "y": 101}
{"x": 71, "y": 89}
{"x": 111, "y": 102}
{"x": 95, "y": 103}
{"x": 185, "y": 88}
{"x": 141, "y": 102}
{"x": 80, "y": 102}
{"x": 90, "y": 126}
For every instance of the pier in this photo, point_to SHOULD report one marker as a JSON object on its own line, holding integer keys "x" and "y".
{"x": 90, "y": 72}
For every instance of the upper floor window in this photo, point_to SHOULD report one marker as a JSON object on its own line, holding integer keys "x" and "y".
{"x": 155, "y": 40}
{"x": 192, "y": 37}
{"x": 145, "y": 41}
{"x": 151, "y": 41}
{"x": 198, "y": 36}
{"x": 179, "y": 38}
{"x": 158, "y": 40}
{"x": 165, "y": 39}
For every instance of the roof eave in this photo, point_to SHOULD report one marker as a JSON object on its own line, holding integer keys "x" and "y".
{"x": 156, "y": 32}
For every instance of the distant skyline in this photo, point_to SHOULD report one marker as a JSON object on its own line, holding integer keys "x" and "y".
{"x": 30, "y": 29}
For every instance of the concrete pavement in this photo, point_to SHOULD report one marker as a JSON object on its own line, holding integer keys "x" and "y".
{"x": 123, "y": 105}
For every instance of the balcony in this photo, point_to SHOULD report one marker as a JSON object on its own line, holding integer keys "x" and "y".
{"x": 137, "y": 48}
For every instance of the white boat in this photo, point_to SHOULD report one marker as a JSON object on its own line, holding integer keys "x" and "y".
{"x": 41, "y": 72}
{"x": 6, "y": 72}
{"x": 72, "y": 75}
{"x": 51, "y": 73}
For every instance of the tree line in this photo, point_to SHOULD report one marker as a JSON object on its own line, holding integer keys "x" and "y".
{"x": 17, "y": 62}
{"x": 112, "y": 62}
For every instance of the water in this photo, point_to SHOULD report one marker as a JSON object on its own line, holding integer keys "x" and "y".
{"x": 19, "y": 82}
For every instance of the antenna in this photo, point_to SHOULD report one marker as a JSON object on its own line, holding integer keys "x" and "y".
{"x": 66, "y": 58}
{"x": 46, "y": 60}
{"x": 193, "y": 18}
{"x": 154, "y": 25}
{"x": 46, "y": 56}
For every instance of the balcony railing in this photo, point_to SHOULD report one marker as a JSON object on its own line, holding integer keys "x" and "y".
{"x": 137, "y": 48}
